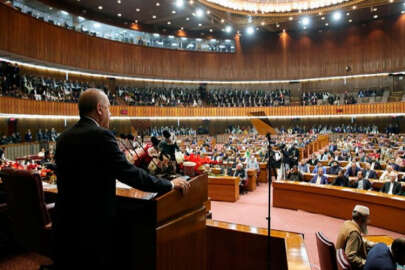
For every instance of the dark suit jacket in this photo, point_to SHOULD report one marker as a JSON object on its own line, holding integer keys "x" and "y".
{"x": 366, "y": 184}
{"x": 88, "y": 163}
{"x": 324, "y": 180}
{"x": 351, "y": 172}
{"x": 396, "y": 190}
{"x": 341, "y": 181}
{"x": 372, "y": 174}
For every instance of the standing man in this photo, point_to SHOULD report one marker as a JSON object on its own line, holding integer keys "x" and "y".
{"x": 88, "y": 163}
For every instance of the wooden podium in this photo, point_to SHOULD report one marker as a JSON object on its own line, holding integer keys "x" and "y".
{"x": 167, "y": 232}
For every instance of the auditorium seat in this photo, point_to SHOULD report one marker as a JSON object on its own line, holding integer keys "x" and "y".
{"x": 342, "y": 262}
{"x": 326, "y": 252}
{"x": 29, "y": 215}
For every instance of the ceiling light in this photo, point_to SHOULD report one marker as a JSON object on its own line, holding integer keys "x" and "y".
{"x": 283, "y": 30}
{"x": 250, "y": 30}
{"x": 277, "y": 25}
{"x": 179, "y": 3}
{"x": 262, "y": 23}
{"x": 187, "y": 19}
{"x": 228, "y": 29}
{"x": 157, "y": 4}
{"x": 100, "y": 7}
{"x": 222, "y": 20}
{"x": 305, "y": 21}
{"x": 374, "y": 9}
{"x": 375, "y": 16}
{"x": 347, "y": 14}
{"x": 191, "y": 2}
{"x": 291, "y": 18}
{"x": 154, "y": 17}
{"x": 173, "y": 12}
{"x": 118, "y": 1}
{"x": 350, "y": 20}
{"x": 50, "y": 8}
{"x": 337, "y": 15}
{"x": 391, "y": 1}
{"x": 208, "y": 12}
{"x": 137, "y": 10}
{"x": 305, "y": 27}
{"x": 211, "y": 30}
{"x": 354, "y": 7}
{"x": 199, "y": 24}
{"x": 323, "y": 18}
{"x": 326, "y": 24}
{"x": 199, "y": 12}
{"x": 182, "y": 28}
{"x": 320, "y": 13}
{"x": 119, "y": 14}
{"x": 169, "y": 22}
{"x": 136, "y": 21}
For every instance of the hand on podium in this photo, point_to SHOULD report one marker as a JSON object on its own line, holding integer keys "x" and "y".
{"x": 181, "y": 185}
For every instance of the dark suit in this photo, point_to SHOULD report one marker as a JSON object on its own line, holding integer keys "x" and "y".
{"x": 366, "y": 184}
{"x": 396, "y": 190}
{"x": 351, "y": 172}
{"x": 88, "y": 163}
{"x": 324, "y": 179}
{"x": 341, "y": 181}
{"x": 371, "y": 174}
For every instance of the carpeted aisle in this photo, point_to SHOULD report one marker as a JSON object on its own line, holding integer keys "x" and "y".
{"x": 251, "y": 209}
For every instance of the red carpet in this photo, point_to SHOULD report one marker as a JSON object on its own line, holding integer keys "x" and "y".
{"x": 251, "y": 209}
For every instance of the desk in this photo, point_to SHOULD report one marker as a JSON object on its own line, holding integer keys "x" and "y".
{"x": 263, "y": 175}
{"x": 235, "y": 246}
{"x": 251, "y": 178}
{"x": 223, "y": 188}
{"x": 380, "y": 239}
{"x": 386, "y": 211}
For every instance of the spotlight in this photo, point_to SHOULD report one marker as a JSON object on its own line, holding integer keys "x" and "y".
{"x": 250, "y": 30}
{"x": 199, "y": 13}
{"x": 228, "y": 29}
{"x": 305, "y": 21}
{"x": 179, "y": 3}
{"x": 337, "y": 15}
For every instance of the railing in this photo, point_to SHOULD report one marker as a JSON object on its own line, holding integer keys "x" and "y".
{"x": 22, "y": 106}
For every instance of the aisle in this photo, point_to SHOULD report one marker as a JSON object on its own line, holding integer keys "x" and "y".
{"x": 251, "y": 209}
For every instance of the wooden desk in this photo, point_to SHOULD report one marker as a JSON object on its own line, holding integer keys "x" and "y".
{"x": 263, "y": 175}
{"x": 223, "y": 188}
{"x": 380, "y": 239}
{"x": 235, "y": 246}
{"x": 251, "y": 178}
{"x": 386, "y": 211}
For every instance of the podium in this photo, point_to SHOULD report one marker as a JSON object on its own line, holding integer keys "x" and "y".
{"x": 166, "y": 232}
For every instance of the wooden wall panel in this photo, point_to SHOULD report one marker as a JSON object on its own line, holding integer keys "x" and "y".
{"x": 376, "y": 47}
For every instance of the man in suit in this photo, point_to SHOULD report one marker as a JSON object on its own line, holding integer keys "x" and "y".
{"x": 88, "y": 163}
{"x": 392, "y": 187}
{"x": 382, "y": 257}
{"x": 361, "y": 182}
{"x": 319, "y": 167}
{"x": 369, "y": 173}
{"x": 341, "y": 180}
{"x": 313, "y": 161}
{"x": 353, "y": 170}
{"x": 335, "y": 168}
{"x": 319, "y": 178}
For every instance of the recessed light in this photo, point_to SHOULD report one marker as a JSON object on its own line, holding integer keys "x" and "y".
{"x": 179, "y": 3}
{"x": 326, "y": 24}
{"x": 262, "y": 23}
{"x": 347, "y": 14}
{"x": 354, "y": 7}
{"x": 119, "y": 14}
{"x": 211, "y": 30}
{"x": 350, "y": 20}
{"x": 391, "y": 1}
{"x": 374, "y": 9}
{"x": 191, "y": 2}
{"x": 277, "y": 25}
{"x": 305, "y": 27}
{"x": 169, "y": 22}
{"x": 154, "y": 17}
{"x": 323, "y": 18}
{"x": 100, "y": 7}
{"x": 199, "y": 24}
{"x": 137, "y": 10}
{"x": 187, "y": 19}
{"x": 157, "y": 4}
{"x": 375, "y": 16}
{"x": 208, "y": 12}
{"x": 50, "y": 8}
{"x": 222, "y": 20}
{"x": 291, "y": 18}
{"x": 320, "y": 13}
{"x": 118, "y": 1}
{"x": 173, "y": 12}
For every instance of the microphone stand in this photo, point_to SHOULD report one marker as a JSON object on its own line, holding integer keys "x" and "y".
{"x": 269, "y": 166}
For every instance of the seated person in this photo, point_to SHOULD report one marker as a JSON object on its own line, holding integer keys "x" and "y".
{"x": 240, "y": 171}
{"x": 385, "y": 175}
{"x": 350, "y": 237}
{"x": 313, "y": 161}
{"x": 294, "y": 175}
{"x": 368, "y": 172}
{"x": 361, "y": 182}
{"x": 353, "y": 170}
{"x": 386, "y": 258}
{"x": 303, "y": 167}
{"x": 319, "y": 178}
{"x": 334, "y": 168}
{"x": 341, "y": 180}
{"x": 319, "y": 167}
{"x": 392, "y": 187}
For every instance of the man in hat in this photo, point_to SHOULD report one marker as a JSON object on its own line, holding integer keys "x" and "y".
{"x": 350, "y": 237}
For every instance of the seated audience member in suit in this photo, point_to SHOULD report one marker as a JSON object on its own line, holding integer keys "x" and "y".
{"x": 319, "y": 167}
{"x": 240, "y": 171}
{"x": 382, "y": 257}
{"x": 375, "y": 165}
{"x": 350, "y": 237}
{"x": 88, "y": 163}
{"x": 313, "y": 161}
{"x": 294, "y": 175}
{"x": 341, "y": 180}
{"x": 385, "y": 175}
{"x": 323, "y": 156}
{"x": 392, "y": 187}
{"x": 353, "y": 170}
{"x": 361, "y": 182}
{"x": 334, "y": 168}
{"x": 303, "y": 167}
{"x": 319, "y": 178}
{"x": 369, "y": 173}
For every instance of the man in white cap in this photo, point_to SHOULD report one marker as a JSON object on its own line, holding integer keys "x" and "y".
{"x": 350, "y": 237}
